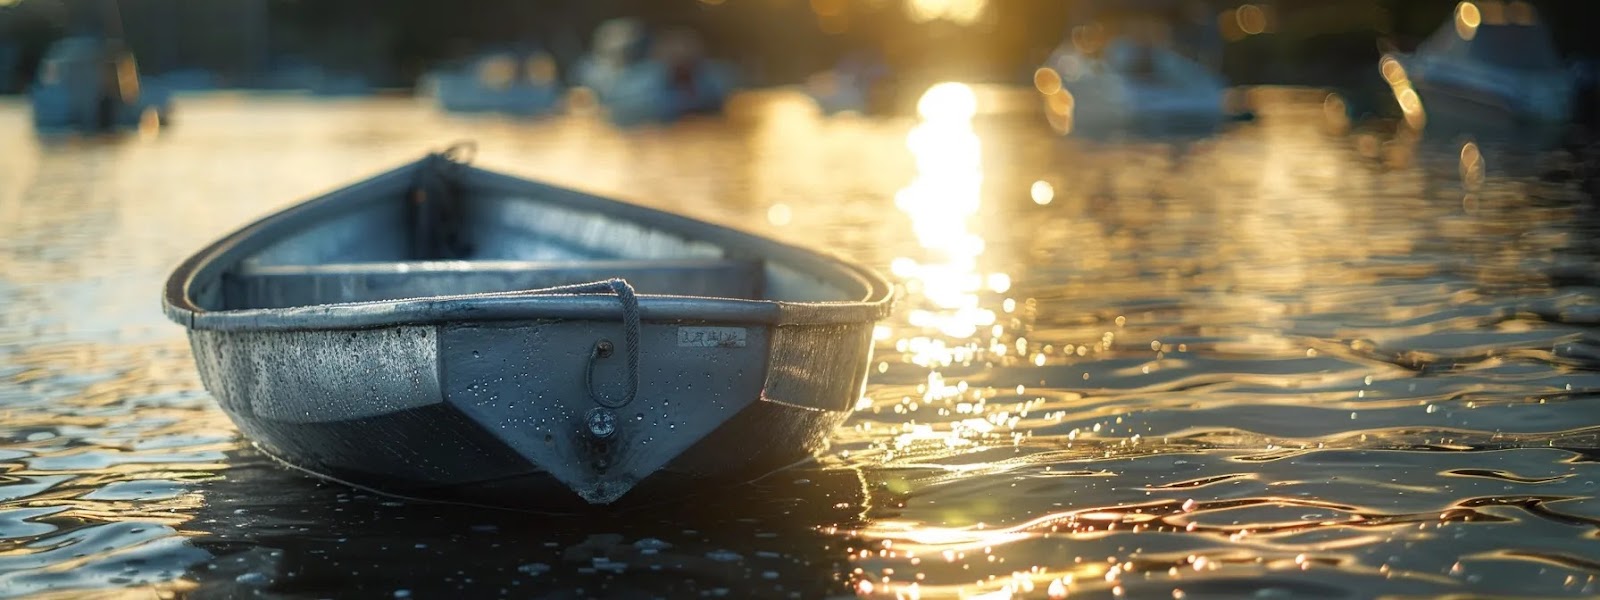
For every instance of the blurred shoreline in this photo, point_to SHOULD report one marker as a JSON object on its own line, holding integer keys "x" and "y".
{"x": 250, "y": 43}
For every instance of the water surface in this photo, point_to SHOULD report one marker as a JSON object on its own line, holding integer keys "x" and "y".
{"x": 1274, "y": 360}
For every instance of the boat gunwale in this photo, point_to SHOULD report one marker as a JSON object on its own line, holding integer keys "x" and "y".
{"x": 179, "y": 305}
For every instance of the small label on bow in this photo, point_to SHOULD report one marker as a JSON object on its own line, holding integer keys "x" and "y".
{"x": 711, "y": 337}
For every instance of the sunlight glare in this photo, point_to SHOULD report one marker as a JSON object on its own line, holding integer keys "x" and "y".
{"x": 1046, "y": 80}
{"x": 1252, "y": 20}
{"x": 1468, "y": 17}
{"x": 948, "y": 102}
{"x": 960, "y": 12}
{"x": 1042, "y": 192}
{"x": 940, "y": 199}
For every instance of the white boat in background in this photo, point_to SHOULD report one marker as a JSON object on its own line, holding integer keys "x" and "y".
{"x": 1126, "y": 84}
{"x": 90, "y": 83}
{"x": 1492, "y": 60}
{"x": 638, "y": 79}
{"x": 522, "y": 84}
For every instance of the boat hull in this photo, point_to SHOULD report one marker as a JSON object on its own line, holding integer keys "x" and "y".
{"x": 455, "y": 380}
{"x": 434, "y": 412}
{"x": 523, "y": 101}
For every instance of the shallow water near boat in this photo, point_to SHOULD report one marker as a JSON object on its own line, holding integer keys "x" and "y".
{"x": 1267, "y": 361}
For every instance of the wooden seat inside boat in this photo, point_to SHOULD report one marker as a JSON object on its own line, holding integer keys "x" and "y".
{"x": 281, "y": 286}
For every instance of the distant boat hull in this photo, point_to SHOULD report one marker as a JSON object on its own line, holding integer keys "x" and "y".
{"x": 645, "y": 91}
{"x": 56, "y": 108}
{"x": 510, "y": 83}
{"x": 462, "y": 93}
{"x": 1099, "y": 94}
{"x": 401, "y": 334}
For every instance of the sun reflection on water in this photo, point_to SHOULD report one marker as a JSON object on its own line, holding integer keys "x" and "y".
{"x": 941, "y": 199}
{"x": 952, "y": 322}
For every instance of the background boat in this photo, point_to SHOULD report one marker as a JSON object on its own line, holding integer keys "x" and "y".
{"x": 1125, "y": 83}
{"x": 511, "y": 83}
{"x": 93, "y": 84}
{"x": 638, "y": 76}
{"x": 1491, "y": 61}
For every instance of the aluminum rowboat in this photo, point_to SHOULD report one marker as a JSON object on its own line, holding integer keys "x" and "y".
{"x": 440, "y": 331}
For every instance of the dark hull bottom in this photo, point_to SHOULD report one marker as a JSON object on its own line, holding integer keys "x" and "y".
{"x": 436, "y": 453}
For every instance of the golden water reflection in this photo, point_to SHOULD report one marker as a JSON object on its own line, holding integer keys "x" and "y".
{"x": 1126, "y": 487}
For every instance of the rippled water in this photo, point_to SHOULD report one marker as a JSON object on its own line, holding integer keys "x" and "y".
{"x": 1275, "y": 361}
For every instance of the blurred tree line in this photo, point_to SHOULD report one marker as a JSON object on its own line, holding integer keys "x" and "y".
{"x": 392, "y": 41}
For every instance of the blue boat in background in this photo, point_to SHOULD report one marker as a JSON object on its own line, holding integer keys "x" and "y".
{"x": 510, "y": 83}
{"x": 638, "y": 78}
{"x": 1491, "y": 61}
{"x": 92, "y": 84}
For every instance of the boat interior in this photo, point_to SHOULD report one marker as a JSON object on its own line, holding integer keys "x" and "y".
{"x": 390, "y": 240}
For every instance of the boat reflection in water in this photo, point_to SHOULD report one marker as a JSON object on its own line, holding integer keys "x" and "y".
{"x": 765, "y": 539}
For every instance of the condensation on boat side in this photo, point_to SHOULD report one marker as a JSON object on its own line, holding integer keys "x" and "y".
{"x": 428, "y": 452}
{"x": 764, "y": 437}
{"x": 356, "y": 404}
{"x": 314, "y": 376}
{"x": 529, "y": 384}
{"x": 820, "y": 366}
